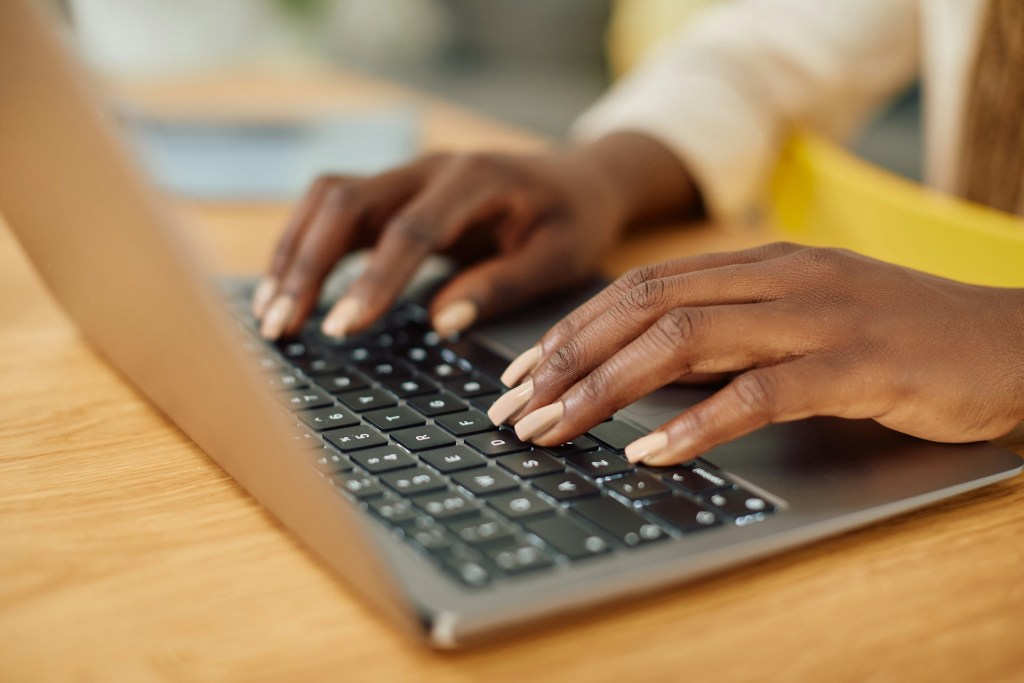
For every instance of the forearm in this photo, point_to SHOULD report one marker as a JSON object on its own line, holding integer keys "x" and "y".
{"x": 651, "y": 183}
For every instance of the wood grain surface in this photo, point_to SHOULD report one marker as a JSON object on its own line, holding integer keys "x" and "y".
{"x": 127, "y": 555}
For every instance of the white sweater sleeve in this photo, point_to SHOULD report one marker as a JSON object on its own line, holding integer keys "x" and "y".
{"x": 721, "y": 93}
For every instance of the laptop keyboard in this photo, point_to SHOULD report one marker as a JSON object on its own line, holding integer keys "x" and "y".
{"x": 395, "y": 420}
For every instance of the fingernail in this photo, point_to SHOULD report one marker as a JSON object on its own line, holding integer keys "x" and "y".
{"x": 511, "y": 402}
{"x": 647, "y": 447}
{"x": 523, "y": 364}
{"x": 262, "y": 296}
{"x": 454, "y": 317}
{"x": 342, "y": 317}
{"x": 539, "y": 421}
{"x": 277, "y": 316}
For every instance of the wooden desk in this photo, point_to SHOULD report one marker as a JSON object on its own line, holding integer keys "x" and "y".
{"x": 128, "y": 555}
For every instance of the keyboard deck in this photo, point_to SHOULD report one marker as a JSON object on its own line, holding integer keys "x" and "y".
{"x": 395, "y": 420}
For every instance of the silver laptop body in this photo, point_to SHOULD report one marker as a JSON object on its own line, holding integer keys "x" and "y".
{"x": 114, "y": 260}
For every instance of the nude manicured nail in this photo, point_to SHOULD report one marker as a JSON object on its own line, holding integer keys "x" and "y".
{"x": 262, "y": 296}
{"x": 341, "y": 318}
{"x": 511, "y": 402}
{"x": 277, "y": 316}
{"x": 455, "y": 317}
{"x": 521, "y": 366}
{"x": 539, "y": 421}
{"x": 647, "y": 447}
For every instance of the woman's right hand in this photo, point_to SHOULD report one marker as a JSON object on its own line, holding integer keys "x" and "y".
{"x": 519, "y": 225}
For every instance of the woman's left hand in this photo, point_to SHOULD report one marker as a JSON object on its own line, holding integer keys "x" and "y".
{"x": 810, "y": 332}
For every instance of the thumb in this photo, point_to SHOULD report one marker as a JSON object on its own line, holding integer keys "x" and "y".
{"x": 505, "y": 282}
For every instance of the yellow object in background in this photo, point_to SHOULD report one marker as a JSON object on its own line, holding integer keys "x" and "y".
{"x": 822, "y": 195}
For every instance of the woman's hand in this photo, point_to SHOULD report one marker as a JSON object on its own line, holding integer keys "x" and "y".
{"x": 811, "y": 332}
{"x": 523, "y": 225}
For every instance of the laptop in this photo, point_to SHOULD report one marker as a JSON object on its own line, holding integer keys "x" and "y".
{"x": 375, "y": 452}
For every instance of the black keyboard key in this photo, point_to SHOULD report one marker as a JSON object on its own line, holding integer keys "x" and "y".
{"x": 268, "y": 362}
{"x": 358, "y": 353}
{"x": 518, "y": 557}
{"x": 467, "y": 387}
{"x": 399, "y": 417}
{"x": 420, "y": 355}
{"x": 383, "y": 459}
{"x": 684, "y": 514}
{"x": 452, "y": 459}
{"x": 412, "y": 481}
{"x": 338, "y": 383}
{"x": 532, "y": 464}
{"x": 285, "y": 380}
{"x": 437, "y": 404}
{"x": 408, "y": 387}
{"x": 442, "y": 371}
{"x": 580, "y": 444}
{"x": 306, "y": 439}
{"x": 480, "y": 529}
{"x": 520, "y": 504}
{"x": 568, "y": 537}
{"x": 393, "y": 509}
{"x": 639, "y": 486}
{"x": 482, "y": 482}
{"x": 445, "y": 504}
{"x": 600, "y": 463}
{"x": 484, "y": 402}
{"x": 422, "y": 438}
{"x": 694, "y": 479}
{"x": 497, "y": 443}
{"x": 331, "y": 461}
{"x": 565, "y": 486}
{"x": 328, "y": 418}
{"x": 468, "y": 570}
{"x": 348, "y": 439}
{"x": 623, "y": 523}
{"x": 368, "y": 399}
{"x": 322, "y": 366}
{"x": 479, "y": 357}
{"x": 745, "y": 506}
{"x": 360, "y": 486}
{"x": 383, "y": 367}
{"x": 615, "y": 434}
{"x": 293, "y": 349}
{"x": 466, "y": 423}
{"x": 433, "y": 539}
{"x": 303, "y": 399}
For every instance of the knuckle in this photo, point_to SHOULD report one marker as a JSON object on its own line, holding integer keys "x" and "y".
{"x": 756, "y": 392}
{"x": 777, "y": 248}
{"x": 343, "y": 197}
{"x": 649, "y": 294}
{"x": 637, "y": 276}
{"x": 323, "y": 181}
{"x": 473, "y": 164}
{"x": 567, "y": 358}
{"x": 828, "y": 259}
{"x": 679, "y": 325}
{"x": 415, "y": 229}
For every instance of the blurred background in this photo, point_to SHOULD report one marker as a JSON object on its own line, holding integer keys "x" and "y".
{"x": 536, "y": 63}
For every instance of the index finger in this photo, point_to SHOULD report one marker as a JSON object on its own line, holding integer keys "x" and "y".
{"x": 582, "y": 316}
{"x": 430, "y": 221}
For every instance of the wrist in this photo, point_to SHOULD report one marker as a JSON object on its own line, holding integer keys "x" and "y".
{"x": 647, "y": 179}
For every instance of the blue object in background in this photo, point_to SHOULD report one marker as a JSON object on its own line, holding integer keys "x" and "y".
{"x": 223, "y": 159}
